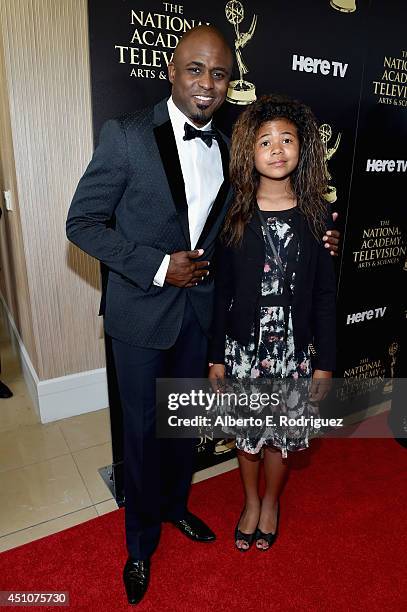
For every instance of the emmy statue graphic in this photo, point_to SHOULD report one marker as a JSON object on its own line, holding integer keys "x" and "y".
{"x": 241, "y": 91}
{"x": 345, "y": 6}
{"x": 393, "y": 348}
{"x": 325, "y": 131}
{"x": 223, "y": 446}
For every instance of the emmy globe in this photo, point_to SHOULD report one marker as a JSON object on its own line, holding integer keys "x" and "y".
{"x": 345, "y": 6}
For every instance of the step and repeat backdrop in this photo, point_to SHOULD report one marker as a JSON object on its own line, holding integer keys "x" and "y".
{"x": 347, "y": 59}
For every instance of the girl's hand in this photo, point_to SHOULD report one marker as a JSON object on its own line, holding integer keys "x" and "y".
{"x": 216, "y": 376}
{"x": 320, "y": 386}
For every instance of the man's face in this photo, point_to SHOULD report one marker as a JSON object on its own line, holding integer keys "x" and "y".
{"x": 200, "y": 74}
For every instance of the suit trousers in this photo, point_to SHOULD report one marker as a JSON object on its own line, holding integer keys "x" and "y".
{"x": 157, "y": 472}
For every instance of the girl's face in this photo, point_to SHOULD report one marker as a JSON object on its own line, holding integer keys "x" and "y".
{"x": 277, "y": 149}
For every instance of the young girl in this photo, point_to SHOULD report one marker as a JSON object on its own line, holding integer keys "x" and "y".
{"x": 275, "y": 285}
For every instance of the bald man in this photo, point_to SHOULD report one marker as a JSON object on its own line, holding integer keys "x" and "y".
{"x": 161, "y": 174}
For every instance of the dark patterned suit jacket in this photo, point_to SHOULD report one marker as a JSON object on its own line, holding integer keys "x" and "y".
{"x": 128, "y": 211}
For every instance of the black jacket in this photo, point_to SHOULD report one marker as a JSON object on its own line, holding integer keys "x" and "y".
{"x": 135, "y": 180}
{"x": 238, "y": 289}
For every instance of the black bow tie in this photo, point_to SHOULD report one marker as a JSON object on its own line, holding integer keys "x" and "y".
{"x": 206, "y": 135}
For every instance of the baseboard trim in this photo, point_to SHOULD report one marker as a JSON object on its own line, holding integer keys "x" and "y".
{"x": 59, "y": 398}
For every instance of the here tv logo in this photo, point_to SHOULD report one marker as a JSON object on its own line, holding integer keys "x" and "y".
{"x": 386, "y": 165}
{"x": 366, "y": 315}
{"x": 324, "y": 67}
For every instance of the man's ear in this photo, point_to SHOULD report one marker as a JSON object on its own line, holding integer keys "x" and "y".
{"x": 171, "y": 72}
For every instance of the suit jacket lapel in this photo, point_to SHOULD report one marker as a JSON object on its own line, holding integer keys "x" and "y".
{"x": 220, "y": 198}
{"x": 167, "y": 147}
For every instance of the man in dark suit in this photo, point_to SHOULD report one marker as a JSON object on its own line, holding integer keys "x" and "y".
{"x": 161, "y": 175}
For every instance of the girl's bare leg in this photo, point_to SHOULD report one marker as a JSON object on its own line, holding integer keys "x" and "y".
{"x": 275, "y": 472}
{"x": 249, "y": 473}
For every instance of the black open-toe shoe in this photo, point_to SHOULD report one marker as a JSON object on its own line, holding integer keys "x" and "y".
{"x": 246, "y": 537}
{"x": 270, "y": 537}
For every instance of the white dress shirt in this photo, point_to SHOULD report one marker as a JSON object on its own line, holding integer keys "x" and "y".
{"x": 203, "y": 175}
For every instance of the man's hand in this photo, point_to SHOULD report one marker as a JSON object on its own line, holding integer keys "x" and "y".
{"x": 320, "y": 385}
{"x": 183, "y": 271}
{"x": 331, "y": 238}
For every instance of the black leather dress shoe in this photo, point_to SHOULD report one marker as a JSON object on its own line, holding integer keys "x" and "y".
{"x": 194, "y": 528}
{"x": 5, "y": 392}
{"x": 136, "y": 576}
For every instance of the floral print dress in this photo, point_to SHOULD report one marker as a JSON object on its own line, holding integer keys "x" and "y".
{"x": 270, "y": 352}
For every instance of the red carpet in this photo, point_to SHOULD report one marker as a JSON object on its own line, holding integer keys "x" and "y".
{"x": 342, "y": 545}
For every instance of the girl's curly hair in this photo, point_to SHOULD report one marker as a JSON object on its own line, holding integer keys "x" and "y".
{"x": 308, "y": 181}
